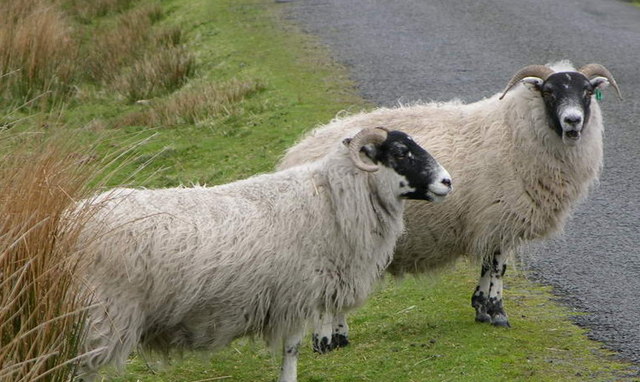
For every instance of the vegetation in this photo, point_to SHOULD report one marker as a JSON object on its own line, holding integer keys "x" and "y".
{"x": 422, "y": 330}
{"x": 41, "y": 316}
{"x": 211, "y": 91}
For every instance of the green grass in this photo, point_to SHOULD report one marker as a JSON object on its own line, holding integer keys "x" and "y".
{"x": 413, "y": 331}
{"x": 423, "y": 330}
{"x": 233, "y": 41}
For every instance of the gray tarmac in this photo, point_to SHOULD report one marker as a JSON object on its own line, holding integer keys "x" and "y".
{"x": 408, "y": 50}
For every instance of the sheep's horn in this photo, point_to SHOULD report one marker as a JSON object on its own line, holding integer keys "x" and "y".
{"x": 539, "y": 71}
{"x": 592, "y": 70}
{"x": 365, "y": 137}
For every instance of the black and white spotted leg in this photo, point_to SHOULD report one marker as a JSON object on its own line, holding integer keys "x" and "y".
{"x": 480, "y": 298}
{"x": 487, "y": 298}
{"x": 322, "y": 334}
{"x": 340, "y": 336}
{"x": 495, "y": 306}
{"x": 291, "y": 348}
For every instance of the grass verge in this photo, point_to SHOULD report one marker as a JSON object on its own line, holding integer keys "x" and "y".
{"x": 423, "y": 330}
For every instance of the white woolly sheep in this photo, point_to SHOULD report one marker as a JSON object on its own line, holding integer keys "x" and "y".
{"x": 195, "y": 268}
{"x": 521, "y": 163}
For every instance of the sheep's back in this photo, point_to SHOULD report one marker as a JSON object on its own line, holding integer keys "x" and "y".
{"x": 498, "y": 155}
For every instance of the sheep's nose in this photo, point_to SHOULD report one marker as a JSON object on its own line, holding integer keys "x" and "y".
{"x": 446, "y": 182}
{"x": 573, "y": 120}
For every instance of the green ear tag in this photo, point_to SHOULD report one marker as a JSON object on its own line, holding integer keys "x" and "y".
{"x": 599, "y": 96}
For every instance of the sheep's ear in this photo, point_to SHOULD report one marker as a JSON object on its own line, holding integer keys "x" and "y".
{"x": 533, "y": 83}
{"x": 599, "y": 82}
{"x": 370, "y": 151}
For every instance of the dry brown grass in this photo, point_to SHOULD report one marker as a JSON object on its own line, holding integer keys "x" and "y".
{"x": 138, "y": 60}
{"x": 37, "y": 50}
{"x": 87, "y": 10}
{"x": 170, "y": 36}
{"x": 41, "y": 316}
{"x": 189, "y": 106}
{"x": 43, "y": 56}
{"x": 118, "y": 45}
{"x": 157, "y": 73}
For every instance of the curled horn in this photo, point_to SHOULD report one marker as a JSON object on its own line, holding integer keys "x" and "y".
{"x": 539, "y": 71}
{"x": 593, "y": 70}
{"x": 365, "y": 137}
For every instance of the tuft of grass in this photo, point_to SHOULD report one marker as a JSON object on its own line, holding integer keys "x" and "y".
{"x": 118, "y": 44}
{"x": 137, "y": 60}
{"x": 194, "y": 104}
{"x": 153, "y": 11}
{"x": 86, "y": 11}
{"x": 37, "y": 51}
{"x": 170, "y": 36}
{"x": 44, "y": 56}
{"x": 42, "y": 315}
{"x": 157, "y": 73}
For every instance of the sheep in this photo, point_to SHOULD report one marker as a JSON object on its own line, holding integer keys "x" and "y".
{"x": 522, "y": 159}
{"x": 195, "y": 268}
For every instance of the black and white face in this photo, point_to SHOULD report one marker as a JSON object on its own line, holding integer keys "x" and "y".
{"x": 567, "y": 99}
{"x": 420, "y": 176}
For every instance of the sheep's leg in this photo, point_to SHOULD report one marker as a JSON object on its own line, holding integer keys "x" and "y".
{"x": 322, "y": 338}
{"x": 487, "y": 298}
{"x": 479, "y": 299}
{"x": 495, "y": 306}
{"x": 113, "y": 331}
{"x": 291, "y": 349}
{"x": 340, "y": 336}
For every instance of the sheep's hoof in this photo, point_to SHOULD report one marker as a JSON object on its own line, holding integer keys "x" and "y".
{"x": 500, "y": 320}
{"x": 483, "y": 317}
{"x": 481, "y": 313}
{"x": 495, "y": 309}
{"x": 479, "y": 303}
{"x": 322, "y": 345}
{"x": 339, "y": 341}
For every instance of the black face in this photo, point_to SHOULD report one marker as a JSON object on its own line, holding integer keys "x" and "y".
{"x": 567, "y": 99}
{"x": 402, "y": 154}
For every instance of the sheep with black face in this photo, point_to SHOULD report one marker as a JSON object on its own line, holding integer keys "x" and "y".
{"x": 566, "y": 95}
{"x": 195, "y": 268}
{"x": 522, "y": 159}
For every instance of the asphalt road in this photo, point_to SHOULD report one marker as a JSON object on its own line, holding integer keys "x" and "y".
{"x": 407, "y": 50}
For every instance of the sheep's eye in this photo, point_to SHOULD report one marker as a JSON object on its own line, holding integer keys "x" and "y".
{"x": 403, "y": 153}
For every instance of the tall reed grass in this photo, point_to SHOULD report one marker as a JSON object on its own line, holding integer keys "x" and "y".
{"x": 50, "y": 48}
{"x": 194, "y": 104}
{"x": 86, "y": 11}
{"x": 41, "y": 312}
{"x": 38, "y": 52}
{"x": 119, "y": 44}
{"x": 156, "y": 74}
